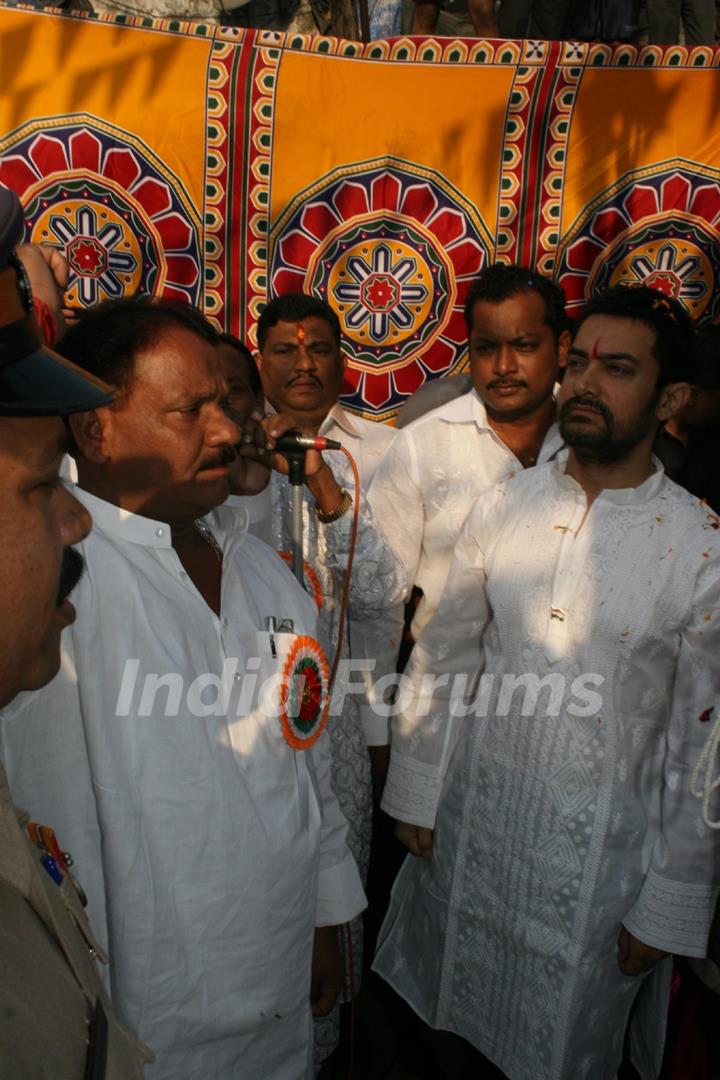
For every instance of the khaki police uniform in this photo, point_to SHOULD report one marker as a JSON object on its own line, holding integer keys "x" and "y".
{"x": 50, "y": 1025}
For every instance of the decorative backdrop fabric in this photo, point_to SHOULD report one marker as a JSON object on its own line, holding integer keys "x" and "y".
{"x": 215, "y": 164}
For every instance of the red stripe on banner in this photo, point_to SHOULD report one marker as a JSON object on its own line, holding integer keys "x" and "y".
{"x": 536, "y": 151}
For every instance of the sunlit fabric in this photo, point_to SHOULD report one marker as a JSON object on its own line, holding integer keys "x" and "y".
{"x": 566, "y": 810}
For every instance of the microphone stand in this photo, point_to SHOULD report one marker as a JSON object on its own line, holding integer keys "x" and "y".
{"x": 296, "y": 464}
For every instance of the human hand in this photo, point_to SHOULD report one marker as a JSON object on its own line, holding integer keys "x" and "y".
{"x": 634, "y": 956}
{"x": 319, "y": 477}
{"x": 278, "y": 425}
{"x": 250, "y": 472}
{"x": 47, "y": 270}
{"x": 417, "y": 839}
{"x": 326, "y": 973}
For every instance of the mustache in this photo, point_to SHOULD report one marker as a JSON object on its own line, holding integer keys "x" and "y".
{"x": 71, "y": 570}
{"x": 226, "y": 456}
{"x": 589, "y": 402}
{"x": 304, "y": 377}
{"x": 506, "y": 382}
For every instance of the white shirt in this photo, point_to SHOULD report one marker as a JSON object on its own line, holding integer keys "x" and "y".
{"x": 428, "y": 482}
{"x": 367, "y": 440}
{"x": 555, "y": 824}
{"x": 209, "y": 848}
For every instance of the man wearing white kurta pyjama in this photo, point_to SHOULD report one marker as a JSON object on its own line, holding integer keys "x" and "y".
{"x": 562, "y": 854}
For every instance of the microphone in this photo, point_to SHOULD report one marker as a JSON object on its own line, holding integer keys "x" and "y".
{"x": 292, "y": 442}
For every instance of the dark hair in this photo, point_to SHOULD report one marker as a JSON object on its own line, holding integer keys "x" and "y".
{"x": 294, "y": 307}
{"x": 108, "y": 337}
{"x": 503, "y": 280}
{"x": 674, "y": 347}
{"x": 707, "y": 357}
{"x": 253, "y": 373}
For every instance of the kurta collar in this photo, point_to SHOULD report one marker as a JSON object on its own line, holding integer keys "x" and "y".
{"x": 643, "y": 493}
{"x": 469, "y": 408}
{"x": 136, "y": 529}
{"x": 464, "y": 409}
{"x": 339, "y": 416}
{"x": 123, "y": 524}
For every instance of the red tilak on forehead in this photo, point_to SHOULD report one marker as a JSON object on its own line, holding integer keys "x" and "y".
{"x": 300, "y": 332}
{"x": 594, "y": 354}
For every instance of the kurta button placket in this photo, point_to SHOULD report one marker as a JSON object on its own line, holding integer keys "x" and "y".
{"x": 569, "y": 567}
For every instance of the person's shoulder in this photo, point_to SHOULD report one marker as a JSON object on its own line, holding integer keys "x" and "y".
{"x": 689, "y": 516}
{"x": 510, "y": 495}
{"x": 431, "y": 396}
{"x": 381, "y": 435}
{"x": 458, "y": 409}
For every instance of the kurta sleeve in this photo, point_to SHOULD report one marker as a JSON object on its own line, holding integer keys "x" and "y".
{"x": 675, "y": 906}
{"x": 397, "y": 502}
{"x": 377, "y": 641}
{"x": 427, "y": 728}
{"x": 340, "y": 895}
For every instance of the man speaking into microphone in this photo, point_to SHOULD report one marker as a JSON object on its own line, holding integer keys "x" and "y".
{"x": 207, "y": 835}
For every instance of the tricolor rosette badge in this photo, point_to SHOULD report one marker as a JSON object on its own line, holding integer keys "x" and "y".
{"x": 304, "y": 694}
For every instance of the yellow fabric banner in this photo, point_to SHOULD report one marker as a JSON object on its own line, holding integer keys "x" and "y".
{"x": 218, "y": 165}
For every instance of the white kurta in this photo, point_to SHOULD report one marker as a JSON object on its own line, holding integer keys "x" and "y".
{"x": 428, "y": 482}
{"x": 208, "y": 847}
{"x": 555, "y": 826}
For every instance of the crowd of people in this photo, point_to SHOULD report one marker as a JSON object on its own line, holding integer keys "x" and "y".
{"x": 505, "y": 642}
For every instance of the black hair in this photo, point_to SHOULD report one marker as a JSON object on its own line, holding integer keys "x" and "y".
{"x": 674, "y": 347}
{"x": 707, "y": 357}
{"x": 253, "y": 373}
{"x": 500, "y": 281}
{"x": 294, "y": 307}
{"x": 107, "y": 338}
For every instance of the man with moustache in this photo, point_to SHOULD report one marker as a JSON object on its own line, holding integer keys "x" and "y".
{"x": 301, "y": 365}
{"x": 212, "y": 849}
{"x": 564, "y": 854}
{"x": 437, "y": 466}
{"x": 55, "y": 1017}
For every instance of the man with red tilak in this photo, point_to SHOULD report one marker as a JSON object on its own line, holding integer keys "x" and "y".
{"x": 561, "y": 854}
{"x": 301, "y": 365}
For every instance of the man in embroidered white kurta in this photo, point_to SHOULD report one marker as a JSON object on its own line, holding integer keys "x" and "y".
{"x": 568, "y": 855}
{"x": 210, "y": 848}
{"x": 437, "y": 466}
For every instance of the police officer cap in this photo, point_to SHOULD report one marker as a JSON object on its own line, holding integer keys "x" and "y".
{"x": 34, "y": 380}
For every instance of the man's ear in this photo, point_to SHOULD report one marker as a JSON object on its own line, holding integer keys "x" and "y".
{"x": 674, "y": 397}
{"x": 89, "y": 436}
{"x": 257, "y": 357}
{"x": 563, "y": 347}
